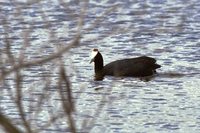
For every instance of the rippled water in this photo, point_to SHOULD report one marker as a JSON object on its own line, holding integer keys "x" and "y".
{"x": 168, "y": 30}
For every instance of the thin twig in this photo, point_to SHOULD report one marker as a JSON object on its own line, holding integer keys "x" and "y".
{"x": 86, "y": 123}
{"x": 99, "y": 19}
{"x": 20, "y": 103}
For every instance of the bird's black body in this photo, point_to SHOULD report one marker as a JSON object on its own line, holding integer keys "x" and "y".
{"x": 134, "y": 67}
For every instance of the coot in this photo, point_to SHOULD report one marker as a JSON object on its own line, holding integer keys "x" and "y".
{"x": 132, "y": 67}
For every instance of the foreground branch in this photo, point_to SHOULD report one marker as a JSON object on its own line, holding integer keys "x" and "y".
{"x": 7, "y": 125}
{"x": 18, "y": 67}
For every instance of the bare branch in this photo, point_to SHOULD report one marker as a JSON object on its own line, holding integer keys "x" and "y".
{"x": 20, "y": 103}
{"x": 8, "y": 125}
{"x": 101, "y": 17}
{"x": 67, "y": 103}
{"x": 17, "y": 67}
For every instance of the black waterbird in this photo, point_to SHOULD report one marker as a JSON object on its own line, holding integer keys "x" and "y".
{"x": 133, "y": 67}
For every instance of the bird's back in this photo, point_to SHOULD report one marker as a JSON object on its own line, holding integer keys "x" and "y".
{"x": 140, "y": 66}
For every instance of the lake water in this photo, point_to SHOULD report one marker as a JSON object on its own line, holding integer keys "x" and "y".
{"x": 168, "y": 30}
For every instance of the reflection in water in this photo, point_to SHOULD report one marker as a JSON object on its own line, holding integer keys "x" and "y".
{"x": 177, "y": 75}
{"x": 147, "y": 78}
{"x": 171, "y": 75}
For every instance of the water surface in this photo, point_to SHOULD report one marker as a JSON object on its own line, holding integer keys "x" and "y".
{"x": 168, "y": 30}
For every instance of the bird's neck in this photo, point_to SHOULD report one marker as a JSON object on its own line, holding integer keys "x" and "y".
{"x": 98, "y": 63}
